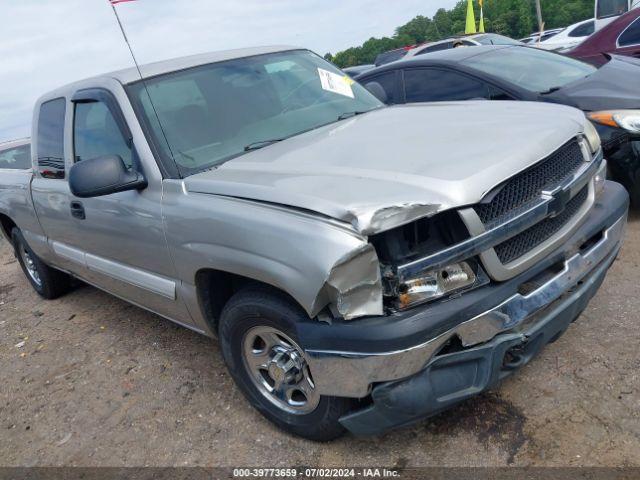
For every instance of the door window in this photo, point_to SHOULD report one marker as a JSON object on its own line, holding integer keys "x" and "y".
{"x": 583, "y": 30}
{"x": 631, "y": 36}
{"x": 436, "y": 48}
{"x": 432, "y": 85}
{"x": 96, "y": 134}
{"x": 388, "y": 83}
{"x": 50, "y": 139}
{"x": 17, "y": 158}
{"x": 496, "y": 93}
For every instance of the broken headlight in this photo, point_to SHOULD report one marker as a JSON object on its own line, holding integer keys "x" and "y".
{"x": 592, "y": 136}
{"x": 439, "y": 283}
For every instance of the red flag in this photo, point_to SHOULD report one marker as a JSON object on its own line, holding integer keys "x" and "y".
{"x": 115, "y": 2}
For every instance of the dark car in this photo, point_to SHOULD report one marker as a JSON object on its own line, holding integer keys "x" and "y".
{"x": 357, "y": 70}
{"x": 622, "y": 37}
{"x": 609, "y": 95}
{"x": 392, "y": 55}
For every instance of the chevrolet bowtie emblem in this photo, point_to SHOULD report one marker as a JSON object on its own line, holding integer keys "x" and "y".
{"x": 559, "y": 201}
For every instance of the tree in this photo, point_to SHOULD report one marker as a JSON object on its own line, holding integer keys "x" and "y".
{"x": 513, "y": 18}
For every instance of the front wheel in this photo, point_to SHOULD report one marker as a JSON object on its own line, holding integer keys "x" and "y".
{"x": 48, "y": 282}
{"x": 267, "y": 363}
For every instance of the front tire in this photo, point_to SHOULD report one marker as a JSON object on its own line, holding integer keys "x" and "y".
{"x": 262, "y": 353}
{"x": 48, "y": 282}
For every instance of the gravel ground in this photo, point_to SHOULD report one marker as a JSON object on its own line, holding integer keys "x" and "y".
{"x": 99, "y": 382}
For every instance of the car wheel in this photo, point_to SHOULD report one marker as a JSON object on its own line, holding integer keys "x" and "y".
{"x": 48, "y": 282}
{"x": 259, "y": 346}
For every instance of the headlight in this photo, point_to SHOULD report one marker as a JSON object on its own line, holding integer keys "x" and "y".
{"x": 592, "y": 137}
{"x": 436, "y": 284}
{"x": 628, "y": 120}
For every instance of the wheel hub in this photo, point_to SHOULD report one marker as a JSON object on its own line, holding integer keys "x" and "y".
{"x": 30, "y": 266}
{"x": 285, "y": 366}
{"x": 278, "y": 369}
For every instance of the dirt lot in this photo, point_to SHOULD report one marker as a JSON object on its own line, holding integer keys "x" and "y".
{"x": 100, "y": 382}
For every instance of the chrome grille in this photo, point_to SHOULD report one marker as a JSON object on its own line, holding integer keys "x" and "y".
{"x": 526, "y": 241}
{"x": 525, "y": 188}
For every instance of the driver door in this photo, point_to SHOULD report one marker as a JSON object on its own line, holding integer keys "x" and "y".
{"x": 121, "y": 235}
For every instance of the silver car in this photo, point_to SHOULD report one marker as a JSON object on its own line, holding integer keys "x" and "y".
{"x": 362, "y": 266}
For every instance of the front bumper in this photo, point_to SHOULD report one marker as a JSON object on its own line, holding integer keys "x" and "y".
{"x": 413, "y": 382}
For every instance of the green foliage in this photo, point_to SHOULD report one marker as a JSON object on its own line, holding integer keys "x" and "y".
{"x": 513, "y": 18}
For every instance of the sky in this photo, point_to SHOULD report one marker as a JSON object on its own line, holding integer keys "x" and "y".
{"x": 44, "y": 45}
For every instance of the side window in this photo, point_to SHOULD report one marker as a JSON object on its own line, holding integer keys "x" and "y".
{"x": 51, "y": 138}
{"x": 388, "y": 83}
{"x": 496, "y": 93}
{"x": 18, "y": 158}
{"x": 96, "y": 133}
{"x": 631, "y": 36}
{"x": 583, "y": 30}
{"x": 432, "y": 85}
{"x": 436, "y": 48}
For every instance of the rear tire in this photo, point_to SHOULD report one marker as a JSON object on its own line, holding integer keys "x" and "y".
{"x": 48, "y": 282}
{"x": 262, "y": 353}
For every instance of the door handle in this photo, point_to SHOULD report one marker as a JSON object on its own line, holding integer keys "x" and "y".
{"x": 77, "y": 210}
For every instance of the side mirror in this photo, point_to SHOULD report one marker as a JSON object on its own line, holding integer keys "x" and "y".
{"x": 378, "y": 91}
{"x": 103, "y": 176}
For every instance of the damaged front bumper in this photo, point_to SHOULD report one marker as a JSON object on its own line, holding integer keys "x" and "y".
{"x": 417, "y": 378}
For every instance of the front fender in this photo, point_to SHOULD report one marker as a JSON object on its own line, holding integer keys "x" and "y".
{"x": 317, "y": 261}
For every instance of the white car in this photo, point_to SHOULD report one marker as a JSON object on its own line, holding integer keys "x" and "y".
{"x": 570, "y": 37}
{"x": 538, "y": 37}
{"x": 462, "y": 41}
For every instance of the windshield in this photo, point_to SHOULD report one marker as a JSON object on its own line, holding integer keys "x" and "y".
{"x": 531, "y": 68}
{"x": 206, "y": 115}
{"x": 611, "y": 8}
{"x": 494, "y": 39}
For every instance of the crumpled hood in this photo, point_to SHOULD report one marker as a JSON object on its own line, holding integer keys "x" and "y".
{"x": 395, "y": 165}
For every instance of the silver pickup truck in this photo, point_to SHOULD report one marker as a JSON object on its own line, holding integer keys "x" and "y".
{"x": 362, "y": 266}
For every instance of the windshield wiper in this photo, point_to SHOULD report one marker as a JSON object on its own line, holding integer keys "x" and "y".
{"x": 551, "y": 90}
{"x": 261, "y": 144}
{"x": 346, "y": 115}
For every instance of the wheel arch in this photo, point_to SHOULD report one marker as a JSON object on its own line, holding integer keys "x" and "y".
{"x": 6, "y": 225}
{"x": 215, "y": 287}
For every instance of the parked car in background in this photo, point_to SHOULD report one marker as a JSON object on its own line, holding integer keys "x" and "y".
{"x": 568, "y": 38}
{"x": 609, "y": 95}
{"x": 15, "y": 155}
{"x": 357, "y": 70}
{"x": 391, "y": 55}
{"x": 538, "y": 37}
{"x": 472, "y": 40}
{"x": 607, "y": 11}
{"x": 621, "y": 37}
{"x": 363, "y": 267}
